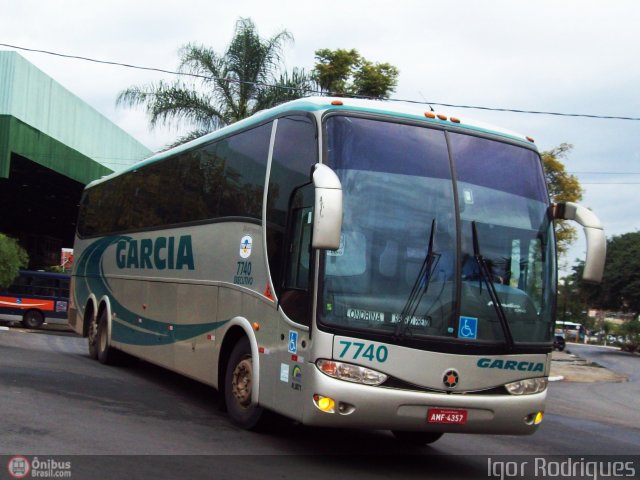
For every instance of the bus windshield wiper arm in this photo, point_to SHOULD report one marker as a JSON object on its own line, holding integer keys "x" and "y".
{"x": 485, "y": 273}
{"x": 418, "y": 290}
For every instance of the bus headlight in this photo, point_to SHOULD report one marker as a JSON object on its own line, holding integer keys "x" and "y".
{"x": 527, "y": 387}
{"x": 351, "y": 373}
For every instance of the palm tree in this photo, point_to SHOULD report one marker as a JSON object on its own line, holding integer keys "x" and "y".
{"x": 222, "y": 89}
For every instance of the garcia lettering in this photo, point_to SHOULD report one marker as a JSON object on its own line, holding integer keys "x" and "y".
{"x": 522, "y": 366}
{"x": 161, "y": 253}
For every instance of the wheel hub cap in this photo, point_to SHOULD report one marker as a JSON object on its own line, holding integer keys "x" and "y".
{"x": 241, "y": 383}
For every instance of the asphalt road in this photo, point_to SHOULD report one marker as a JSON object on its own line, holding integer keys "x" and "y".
{"x": 606, "y": 404}
{"x": 57, "y": 402}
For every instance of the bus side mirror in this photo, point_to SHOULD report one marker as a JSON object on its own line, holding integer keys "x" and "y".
{"x": 327, "y": 214}
{"x": 594, "y": 233}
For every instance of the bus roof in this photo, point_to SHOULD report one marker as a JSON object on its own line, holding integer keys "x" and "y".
{"x": 42, "y": 273}
{"x": 396, "y": 109}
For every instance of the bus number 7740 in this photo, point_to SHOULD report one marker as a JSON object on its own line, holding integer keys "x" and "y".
{"x": 371, "y": 351}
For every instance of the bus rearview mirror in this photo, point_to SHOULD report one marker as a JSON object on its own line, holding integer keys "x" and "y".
{"x": 594, "y": 234}
{"x": 327, "y": 214}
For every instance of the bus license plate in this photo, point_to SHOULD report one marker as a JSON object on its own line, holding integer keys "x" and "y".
{"x": 447, "y": 415}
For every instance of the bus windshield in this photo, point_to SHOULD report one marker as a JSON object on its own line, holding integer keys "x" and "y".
{"x": 431, "y": 254}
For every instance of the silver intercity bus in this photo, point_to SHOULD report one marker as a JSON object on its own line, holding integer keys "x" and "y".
{"x": 345, "y": 263}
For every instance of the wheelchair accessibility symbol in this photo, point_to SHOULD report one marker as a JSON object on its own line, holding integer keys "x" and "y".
{"x": 468, "y": 328}
{"x": 293, "y": 341}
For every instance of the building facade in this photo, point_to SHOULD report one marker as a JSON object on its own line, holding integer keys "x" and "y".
{"x": 51, "y": 145}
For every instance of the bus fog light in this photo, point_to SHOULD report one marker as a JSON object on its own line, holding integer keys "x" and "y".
{"x": 534, "y": 418}
{"x": 527, "y": 387}
{"x": 346, "y": 408}
{"x": 325, "y": 404}
{"x": 351, "y": 373}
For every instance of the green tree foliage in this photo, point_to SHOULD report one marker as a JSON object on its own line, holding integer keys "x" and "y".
{"x": 563, "y": 187}
{"x": 231, "y": 86}
{"x": 346, "y": 72}
{"x": 620, "y": 288}
{"x": 12, "y": 258}
{"x": 572, "y": 303}
{"x": 631, "y": 330}
{"x": 334, "y": 68}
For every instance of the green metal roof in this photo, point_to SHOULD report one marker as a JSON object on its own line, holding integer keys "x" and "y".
{"x": 44, "y": 122}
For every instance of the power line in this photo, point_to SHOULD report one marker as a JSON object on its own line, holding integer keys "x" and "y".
{"x": 533, "y": 112}
{"x": 604, "y": 173}
{"x": 154, "y": 69}
{"x": 105, "y": 62}
{"x": 310, "y": 91}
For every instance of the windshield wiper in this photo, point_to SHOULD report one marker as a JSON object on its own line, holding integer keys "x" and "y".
{"x": 420, "y": 287}
{"x": 485, "y": 273}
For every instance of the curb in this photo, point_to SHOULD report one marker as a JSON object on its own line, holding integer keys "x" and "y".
{"x": 559, "y": 378}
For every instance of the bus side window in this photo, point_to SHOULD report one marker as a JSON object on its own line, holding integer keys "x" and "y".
{"x": 295, "y": 299}
{"x": 289, "y": 201}
{"x": 41, "y": 286}
{"x": 299, "y": 251}
{"x": 20, "y": 286}
{"x": 64, "y": 288}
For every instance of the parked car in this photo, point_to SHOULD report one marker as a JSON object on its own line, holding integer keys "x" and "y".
{"x": 558, "y": 342}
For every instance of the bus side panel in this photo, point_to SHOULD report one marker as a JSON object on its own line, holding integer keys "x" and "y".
{"x": 196, "y": 357}
{"x": 289, "y": 358}
{"x": 177, "y": 318}
{"x": 133, "y": 304}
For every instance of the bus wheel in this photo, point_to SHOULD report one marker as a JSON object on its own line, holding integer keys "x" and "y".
{"x": 238, "y": 384}
{"x": 105, "y": 353}
{"x": 93, "y": 339}
{"x": 32, "y": 319}
{"x": 416, "y": 438}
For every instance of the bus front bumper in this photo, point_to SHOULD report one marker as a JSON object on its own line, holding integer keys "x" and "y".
{"x": 362, "y": 406}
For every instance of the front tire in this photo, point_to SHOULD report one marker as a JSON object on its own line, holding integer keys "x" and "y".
{"x": 32, "y": 319}
{"x": 238, "y": 386}
{"x": 416, "y": 438}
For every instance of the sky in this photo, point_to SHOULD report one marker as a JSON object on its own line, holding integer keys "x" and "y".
{"x": 569, "y": 56}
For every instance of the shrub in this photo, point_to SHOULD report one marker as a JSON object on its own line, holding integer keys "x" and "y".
{"x": 12, "y": 258}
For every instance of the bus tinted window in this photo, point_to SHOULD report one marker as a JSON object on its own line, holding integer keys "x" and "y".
{"x": 21, "y": 285}
{"x": 514, "y": 170}
{"x": 40, "y": 284}
{"x": 220, "y": 179}
{"x": 294, "y": 153}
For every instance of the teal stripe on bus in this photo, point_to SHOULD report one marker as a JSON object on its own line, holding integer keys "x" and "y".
{"x": 129, "y": 327}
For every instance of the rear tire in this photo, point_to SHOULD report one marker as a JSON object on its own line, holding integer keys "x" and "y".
{"x": 104, "y": 352}
{"x": 417, "y": 438}
{"x": 32, "y": 319}
{"x": 93, "y": 339}
{"x": 238, "y": 386}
